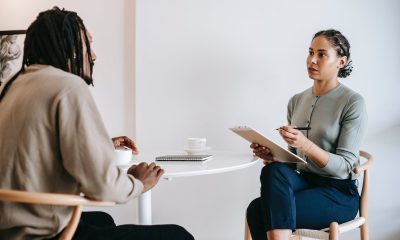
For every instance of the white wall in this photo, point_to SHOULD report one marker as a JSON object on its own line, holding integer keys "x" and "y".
{"x": 112, "y": 25}
{"x": 204, "y": 66}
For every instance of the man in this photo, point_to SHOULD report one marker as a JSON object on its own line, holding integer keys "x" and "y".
{"x": 53, "y": 140}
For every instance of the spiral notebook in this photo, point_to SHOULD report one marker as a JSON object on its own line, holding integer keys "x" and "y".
{"x": 185, "y": 157}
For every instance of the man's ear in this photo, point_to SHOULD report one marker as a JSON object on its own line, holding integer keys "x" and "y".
{"x": 342, "y": 61}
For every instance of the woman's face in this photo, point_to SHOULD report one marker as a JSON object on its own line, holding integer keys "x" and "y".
{"x": 323, "y": 63}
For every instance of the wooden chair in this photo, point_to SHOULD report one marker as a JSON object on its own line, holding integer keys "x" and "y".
{"x": 334, "y": 230}
{"x": 54, "y": 199}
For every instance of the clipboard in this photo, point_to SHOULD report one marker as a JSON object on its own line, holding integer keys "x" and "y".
{"x": 280, "y": 154}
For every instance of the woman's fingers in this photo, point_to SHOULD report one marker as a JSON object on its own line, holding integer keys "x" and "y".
{"x": 266, "y": 162}
{"x": 262, "y": 150}
{"x": 254, "y": 145}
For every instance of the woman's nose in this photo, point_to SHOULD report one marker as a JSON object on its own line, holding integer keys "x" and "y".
{"x": 313, "y": 60}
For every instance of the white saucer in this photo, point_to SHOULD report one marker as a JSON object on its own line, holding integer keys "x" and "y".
{"x": 198, "y": 151}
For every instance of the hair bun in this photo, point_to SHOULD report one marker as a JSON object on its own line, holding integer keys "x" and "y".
{"x": 346, "y": 70}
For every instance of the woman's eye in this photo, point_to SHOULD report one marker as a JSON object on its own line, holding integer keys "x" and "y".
{"x": 310, "y": 53}
{"x": 321, "y": 55}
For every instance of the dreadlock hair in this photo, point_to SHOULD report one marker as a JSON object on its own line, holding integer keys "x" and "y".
{"x": 55, "y": 38}
{"x": 342, "y": 46}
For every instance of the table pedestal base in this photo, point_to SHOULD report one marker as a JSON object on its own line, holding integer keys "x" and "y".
{"x": 144, "y": 206}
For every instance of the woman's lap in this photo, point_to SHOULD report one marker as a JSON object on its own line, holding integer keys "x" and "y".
{"x": 316, "y": 205}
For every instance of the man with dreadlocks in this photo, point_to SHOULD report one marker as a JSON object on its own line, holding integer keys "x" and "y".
{"x": 53, "y": 140}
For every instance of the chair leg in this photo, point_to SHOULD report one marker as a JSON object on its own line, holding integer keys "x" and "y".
{"x": 246, "y": 230}
{"x": 364, "y": 231}
{"x": 69, "y": 230}
{"x": 334, "y": 231}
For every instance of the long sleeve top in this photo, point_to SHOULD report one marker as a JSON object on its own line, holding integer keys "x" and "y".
{"x": 52, "y": 139}
{"x": 338, "y": 122}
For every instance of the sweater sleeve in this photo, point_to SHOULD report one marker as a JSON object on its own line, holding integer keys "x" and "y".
{"x": 86, "y": 149}
{"x": 353, "y": 125}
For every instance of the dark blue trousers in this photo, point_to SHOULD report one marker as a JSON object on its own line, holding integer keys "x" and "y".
{"x": 291, "y": 200}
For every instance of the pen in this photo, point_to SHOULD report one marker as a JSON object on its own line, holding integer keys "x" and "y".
{"x": 299, "y": 128}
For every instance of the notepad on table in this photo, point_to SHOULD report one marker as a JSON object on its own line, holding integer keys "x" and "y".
{"x": 185, "y": 157}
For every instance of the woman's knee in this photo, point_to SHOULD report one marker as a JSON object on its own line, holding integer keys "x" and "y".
{"x": 253, "y": 209}
{"x": 273, "y": 171}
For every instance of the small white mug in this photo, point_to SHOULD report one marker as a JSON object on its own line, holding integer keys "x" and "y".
{"x": 196, "y": 143}
{"x": 123, "y": 156}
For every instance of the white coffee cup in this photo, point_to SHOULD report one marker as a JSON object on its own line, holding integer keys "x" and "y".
{"x": 196, "y": 143}
{"x": 123, "y": 156}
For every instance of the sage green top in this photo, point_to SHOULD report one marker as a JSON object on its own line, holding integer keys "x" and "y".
{"x": 52, "y": 139}
{"x": 338, "y": 122}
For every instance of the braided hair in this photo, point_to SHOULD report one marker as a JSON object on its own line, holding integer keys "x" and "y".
{"x": 55, "y": 38}
{"x": 342, "y": 46}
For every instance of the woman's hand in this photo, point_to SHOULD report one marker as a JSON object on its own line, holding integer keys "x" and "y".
{"x": 295, "y": 138}
{"x": 124, "y": 141}
{"x": 262, "y": 152}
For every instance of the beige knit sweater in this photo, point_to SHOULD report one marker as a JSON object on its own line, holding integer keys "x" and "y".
{"x": 52, "y": 139}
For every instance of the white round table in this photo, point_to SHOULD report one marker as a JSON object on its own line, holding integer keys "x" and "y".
{"x": 220, "y": 162}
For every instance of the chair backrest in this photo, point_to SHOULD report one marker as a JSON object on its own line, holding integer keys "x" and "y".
{"x": 363, "y": 168}
{"x": 363, "y": 211}
{"x": 54, "y": 199}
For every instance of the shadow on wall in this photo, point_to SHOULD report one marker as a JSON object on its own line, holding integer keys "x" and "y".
{"x": 384, "y": 207}
{"x": 394, "y": 235}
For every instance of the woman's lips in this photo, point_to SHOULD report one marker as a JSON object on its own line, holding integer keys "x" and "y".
{"x": 312, "y": 70}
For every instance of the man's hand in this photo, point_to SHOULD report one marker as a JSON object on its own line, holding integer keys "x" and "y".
{"x": 122, "y": 141}
{"x": 148, "y": 174}
{"x": 262, "y": 152}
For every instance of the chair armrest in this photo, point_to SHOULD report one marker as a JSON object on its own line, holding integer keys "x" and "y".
{"x": 350, "y": 225}
{"x": 365, "y": 165}
{"x": 310, "y": 233}
{"x": 50, "y": 198}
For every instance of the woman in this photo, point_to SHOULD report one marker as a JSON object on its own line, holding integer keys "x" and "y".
{"x": 324, "y": 190}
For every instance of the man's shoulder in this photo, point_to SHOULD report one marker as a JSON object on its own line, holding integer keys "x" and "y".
{"x": 54, "y": 77}
{"x": 52, "y": 81}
